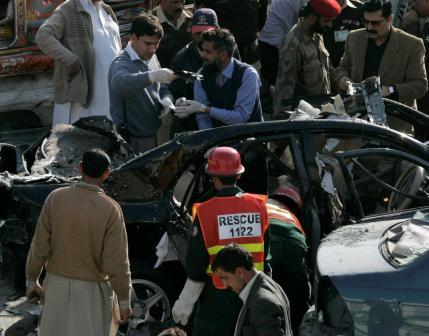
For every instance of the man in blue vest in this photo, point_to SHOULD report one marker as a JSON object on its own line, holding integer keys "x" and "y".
{"x": 229, "y": 91}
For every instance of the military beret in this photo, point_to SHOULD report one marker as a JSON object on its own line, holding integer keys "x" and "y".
{"x": 327, "y": 8}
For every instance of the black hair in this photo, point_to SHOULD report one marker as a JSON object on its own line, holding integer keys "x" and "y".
{"x": 231, "y": 257}
{"x": 375, "y": 5}
{"x": 222, "y": 40}
{"x": 227, "y": 180}
{"x": 95, "y": 162}
{"x": 146, "y": 24}
{"x": 307, "y": 10}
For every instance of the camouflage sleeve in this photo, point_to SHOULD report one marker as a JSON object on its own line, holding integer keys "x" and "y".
{"x": 290, "y": 60}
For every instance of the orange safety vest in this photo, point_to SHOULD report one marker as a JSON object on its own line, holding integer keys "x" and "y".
{"x": 236, "y": 219}
{"x": 284, "y": 215}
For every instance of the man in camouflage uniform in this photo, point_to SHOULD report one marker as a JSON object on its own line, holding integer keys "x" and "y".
{"x": 304, "y": 65}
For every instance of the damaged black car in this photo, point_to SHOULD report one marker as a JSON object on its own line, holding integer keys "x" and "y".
{"x": 347, "y": 170}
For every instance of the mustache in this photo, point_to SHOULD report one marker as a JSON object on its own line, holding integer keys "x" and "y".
{"x": 371, "y": 31}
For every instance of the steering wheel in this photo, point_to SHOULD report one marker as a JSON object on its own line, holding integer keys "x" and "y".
{"x": 409, "y": 182}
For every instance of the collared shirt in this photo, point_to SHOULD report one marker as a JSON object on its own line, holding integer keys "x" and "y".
{"x": 162, "y": 18}
{"x": 244, "y": 294}
{"x": 374, "y": 54}
{"x": 133, "y": 54}
{"x": 282, "y": 16}
{"x": 244, "y": 102}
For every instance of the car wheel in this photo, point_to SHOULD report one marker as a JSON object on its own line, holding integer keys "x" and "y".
{"x": 149, "y": 301}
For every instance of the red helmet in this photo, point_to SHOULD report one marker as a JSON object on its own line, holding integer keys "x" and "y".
{"x": 224, "y": 161}
{"x": 288, "y": 193}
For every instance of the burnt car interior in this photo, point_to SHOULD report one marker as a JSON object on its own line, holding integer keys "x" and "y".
{"x": 364, "y": 176}
{"x": 384, "y": 180}
{"x": 278, "y": 171}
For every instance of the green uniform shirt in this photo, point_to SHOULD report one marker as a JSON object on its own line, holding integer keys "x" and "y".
{"x": 304, "y": 66}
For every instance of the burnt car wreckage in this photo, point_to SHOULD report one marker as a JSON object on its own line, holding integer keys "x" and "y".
{"x": 347, "y": 170}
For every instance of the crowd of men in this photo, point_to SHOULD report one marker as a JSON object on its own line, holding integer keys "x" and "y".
{"x": 300, "y": 49}
{"x": 249, "y": 71}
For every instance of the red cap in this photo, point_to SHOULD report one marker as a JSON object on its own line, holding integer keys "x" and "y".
{"x": 327, "y": 8}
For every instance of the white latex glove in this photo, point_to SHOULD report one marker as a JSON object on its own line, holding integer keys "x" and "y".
{"x": 164, "y": 76}
{"x": 183, "y": 307}
{"x": 167, "y": 106}
{"x": 189, "y": 107}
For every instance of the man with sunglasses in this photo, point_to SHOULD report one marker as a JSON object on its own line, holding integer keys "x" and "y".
{"x": 383, "y": 50}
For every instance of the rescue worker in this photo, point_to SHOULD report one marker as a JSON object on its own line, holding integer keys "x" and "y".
{"x": 288, "y": 251}
{"x": 232, "y": 216}
{"x": 304, "y": 67}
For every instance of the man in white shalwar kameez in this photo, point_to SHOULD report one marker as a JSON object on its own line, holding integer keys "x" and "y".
{"x": 89, "y": 68}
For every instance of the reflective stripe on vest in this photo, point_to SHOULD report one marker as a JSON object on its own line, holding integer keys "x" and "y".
{"x": 284, "y": 215}
{"x": 236, "y": 219}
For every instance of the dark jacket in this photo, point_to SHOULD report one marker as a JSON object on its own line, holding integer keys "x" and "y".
{"x": 334, "y": 37}
{"x": 402, "y": 65}
{"x": 173, "y": 40}
{"x": 266, "y": 310}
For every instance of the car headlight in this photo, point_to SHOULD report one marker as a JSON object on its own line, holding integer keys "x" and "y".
{"x": 332, "y": 311}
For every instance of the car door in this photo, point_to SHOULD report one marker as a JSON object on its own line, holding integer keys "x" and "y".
{"x": 382, "y": 180}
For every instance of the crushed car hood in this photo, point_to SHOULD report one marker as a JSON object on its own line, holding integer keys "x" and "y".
{"x": 354, "y": 249}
